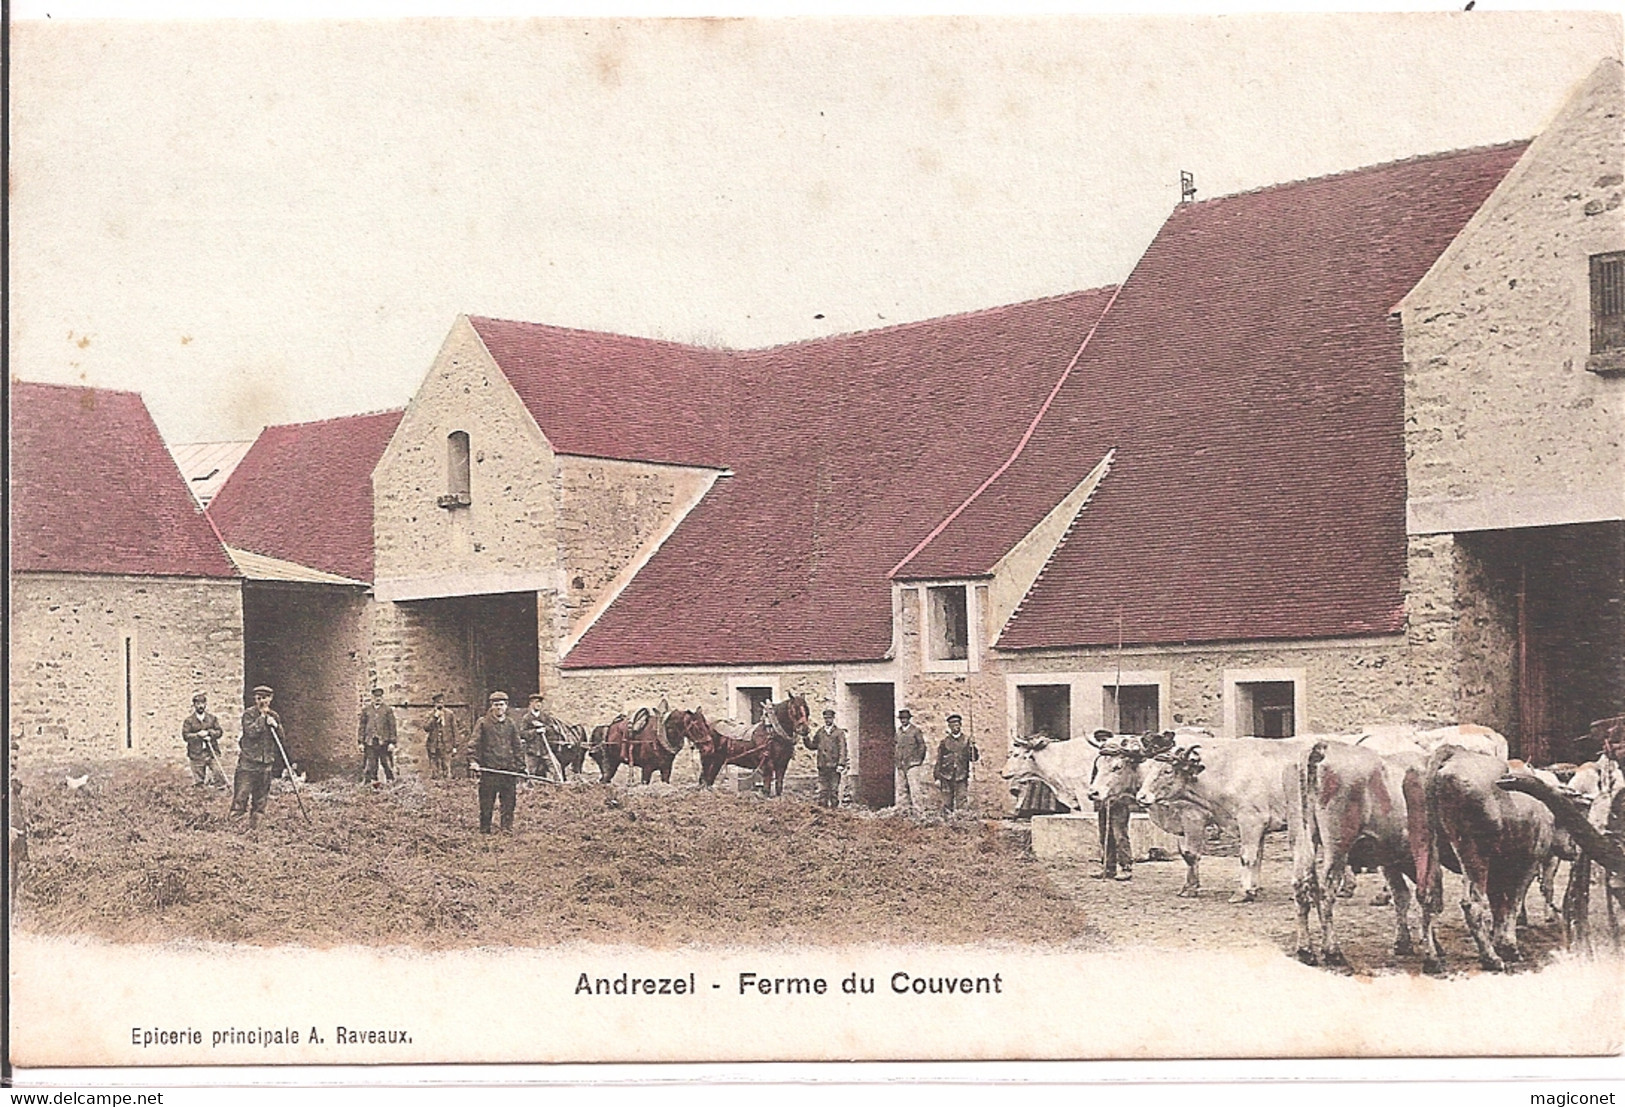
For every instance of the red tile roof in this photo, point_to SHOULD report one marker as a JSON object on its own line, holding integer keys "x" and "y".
{"x": 303, "y": 493}
{"x": 845, "y": 451}
{"x": 616, "y": 396}
{"x": 94, "y": 490}
{"x": 1252, "y": 380}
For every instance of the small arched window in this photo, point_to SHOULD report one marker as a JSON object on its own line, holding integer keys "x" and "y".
{"x": 457, "y": 478}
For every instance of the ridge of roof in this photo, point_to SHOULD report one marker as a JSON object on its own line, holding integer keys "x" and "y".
{"x": 1032, "y": 426}
{"x": 1374, "y": 167}
{"x": 813, "y": 340}
{"x": 323, "y": 421}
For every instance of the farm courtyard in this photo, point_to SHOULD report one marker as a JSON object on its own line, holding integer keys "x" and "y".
{"x": 140, "y": 856}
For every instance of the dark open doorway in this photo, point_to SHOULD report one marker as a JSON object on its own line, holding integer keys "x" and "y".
{"x": 876, "y": 739}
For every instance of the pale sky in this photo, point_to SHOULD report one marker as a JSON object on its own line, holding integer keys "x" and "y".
{"x": 257, "y": 222}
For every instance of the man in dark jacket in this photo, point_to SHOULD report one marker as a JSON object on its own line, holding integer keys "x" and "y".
{"x": 256, "y": 754}
{"x": 201, "y": 732}
{"x": 497, "y": 746}
{"x": 377, "y": 738}
{"x": 954, "y": 757}
{"x": 830, "y": 742}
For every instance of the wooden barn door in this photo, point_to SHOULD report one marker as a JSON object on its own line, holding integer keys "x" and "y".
{"x": 876, "y": 732}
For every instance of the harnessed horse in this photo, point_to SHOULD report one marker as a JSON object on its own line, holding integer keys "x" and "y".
{"x": 648, "y": 741}
{"x": 766, "y": 747}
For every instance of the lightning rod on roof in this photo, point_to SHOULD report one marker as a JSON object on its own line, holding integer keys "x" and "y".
{"x": 1187, "y": 187}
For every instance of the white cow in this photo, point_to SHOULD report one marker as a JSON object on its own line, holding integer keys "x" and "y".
{"x": 1401, "y": 738}
{"x": 1236, "y": 784}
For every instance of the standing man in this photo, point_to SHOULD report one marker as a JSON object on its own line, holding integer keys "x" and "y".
{"x": 954, "y": 757}
{"x": 377, "y": 738}
{"x": 908, "y": 756}
{"x": 533, "y": 734}
{"x": 830, "y": 742}
{"x": 201, "y": 732}
{"x": 256, "y": 754}
{"x": 497, "y": 746}
{"x": 440, "y": 741}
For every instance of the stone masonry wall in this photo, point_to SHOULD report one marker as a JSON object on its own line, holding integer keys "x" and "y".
{"x": 1499, "y": 403}
{"x": 67, "y": 663}
{"x": 509, "y": 528}
{"x": 608, "y": 511}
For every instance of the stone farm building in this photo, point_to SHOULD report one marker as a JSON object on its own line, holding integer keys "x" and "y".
{"x": 1336, "y": 452}
{"x": 123, "y": 602}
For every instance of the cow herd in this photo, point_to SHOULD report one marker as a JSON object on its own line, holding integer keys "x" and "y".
{"x": 1405, "y": 801}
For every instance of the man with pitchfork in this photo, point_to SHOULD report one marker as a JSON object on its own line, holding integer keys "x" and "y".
{"x": 499, "y": 757}
{"x": 256, "y": 756}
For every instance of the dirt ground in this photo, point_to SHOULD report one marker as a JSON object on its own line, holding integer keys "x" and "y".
{"x": 139, "y": 855}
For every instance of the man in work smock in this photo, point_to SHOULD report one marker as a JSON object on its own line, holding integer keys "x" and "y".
{"x": 954, "y": 756}
{"x": 908, "y": 755}
{"x": 201, "y": 732}
{"x": 256, "y": 756}
{"x": 497, "y": 747}
{"x": 830, "y": 742}
{"x": 377, "y": 738}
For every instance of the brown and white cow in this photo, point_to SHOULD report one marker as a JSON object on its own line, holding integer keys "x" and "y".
{"x": 1066, "y": 767}
{"x": 1343, "y": 798}
{"x": 1496, "y": 839}
{"x": 1235, "y": 784}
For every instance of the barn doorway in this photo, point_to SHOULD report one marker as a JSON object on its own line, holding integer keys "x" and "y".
{"x": 1559, "y": 595}
{"x": 876, "y": 743}
{"x": 503, "y": 646}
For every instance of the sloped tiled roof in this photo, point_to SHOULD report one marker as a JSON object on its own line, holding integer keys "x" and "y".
{"x": 94, "y": 490}
{"x": 1251, "y": 379}
{"x": 845, "y": 451}
{"x": 303, "y": 493}
{"x": 617, "y": 396}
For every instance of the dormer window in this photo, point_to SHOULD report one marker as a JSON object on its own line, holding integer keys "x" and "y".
{"x": 457, "y": 471}
{"x": 1607, "y": 313}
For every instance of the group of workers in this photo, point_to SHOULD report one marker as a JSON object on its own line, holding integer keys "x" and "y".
{"x": 503, "y": 752}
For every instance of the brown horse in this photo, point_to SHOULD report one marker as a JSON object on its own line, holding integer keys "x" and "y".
{"x": 717, "y": 749}
{"x": 649, "y": 741}
{"x": 766, "y": 747}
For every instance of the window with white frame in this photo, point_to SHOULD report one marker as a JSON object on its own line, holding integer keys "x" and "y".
{"x": 1045, "y": 709}
{"x": 947, "y": 623}
{"x": 1132, "y": 708}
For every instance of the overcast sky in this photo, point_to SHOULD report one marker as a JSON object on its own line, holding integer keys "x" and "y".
{"x": 256, "y": 222}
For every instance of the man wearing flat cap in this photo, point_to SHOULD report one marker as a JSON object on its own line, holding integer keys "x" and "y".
{"x": 830, "y": 742}
{"x": 908, "y": 754}
{"x": 955, "y": 753}
{"x": 376, "y": 737}
{"x": 256, "y": 756}
{"x": 201, "y": 732}
{"x": 499, "y": 757}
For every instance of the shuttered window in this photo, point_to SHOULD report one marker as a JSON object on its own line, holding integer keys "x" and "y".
{"x": 1607, "y": 302}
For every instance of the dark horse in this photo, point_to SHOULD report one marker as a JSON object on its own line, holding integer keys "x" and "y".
{"x": 569, "y": 744}
{"x": 766, "y": 747}
{"x": 649, "y": 741}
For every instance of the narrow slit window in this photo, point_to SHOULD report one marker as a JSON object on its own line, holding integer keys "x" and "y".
{"x": 1607, "y": 303}
{"x": 458, "y": 485}
{"x": 129, "y": 692}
